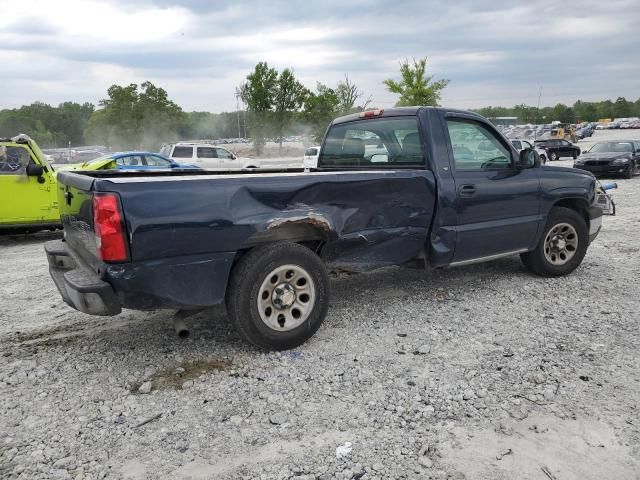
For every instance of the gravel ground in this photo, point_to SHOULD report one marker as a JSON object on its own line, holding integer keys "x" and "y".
{"x": 482, "y": 372}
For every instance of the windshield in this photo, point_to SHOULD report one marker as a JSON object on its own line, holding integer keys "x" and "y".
{"x": 612, "y": 147}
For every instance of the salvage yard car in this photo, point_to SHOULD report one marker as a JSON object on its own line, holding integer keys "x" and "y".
{"x": 621, "y": 157}
{"x": 439, "y": 196}
{"x": 558, "y": 148}
{"x": 206, "y": 155}
{"x": 28, "y": 195}
{"x": 127, "y": 161}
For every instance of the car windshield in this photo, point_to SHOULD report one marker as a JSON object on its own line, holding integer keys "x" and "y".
{"x": 610, "y": 147}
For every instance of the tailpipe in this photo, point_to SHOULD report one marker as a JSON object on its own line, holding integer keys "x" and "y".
{"x": 180, "y": 327}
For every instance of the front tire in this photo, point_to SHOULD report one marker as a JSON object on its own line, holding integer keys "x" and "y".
{"x": 278, "y": 295}
{"x": 628, "y": 173}
{"x": 562, "y": 247}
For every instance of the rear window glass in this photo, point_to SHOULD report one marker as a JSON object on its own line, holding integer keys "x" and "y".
{"x": 377, "y": 143}
{"x": 183, "y": 152}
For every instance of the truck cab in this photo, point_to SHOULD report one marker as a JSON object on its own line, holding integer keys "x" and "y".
{"x": 28, "y": 196}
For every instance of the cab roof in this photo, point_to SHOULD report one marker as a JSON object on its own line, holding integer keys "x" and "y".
{"x": 398, "y": 112}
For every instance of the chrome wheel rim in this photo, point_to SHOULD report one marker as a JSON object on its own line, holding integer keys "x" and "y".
{"x": 286, "y": 298}
{"x": 560, "y": 244}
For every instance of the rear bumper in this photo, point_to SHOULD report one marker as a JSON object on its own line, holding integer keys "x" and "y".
{"x": 79, "y": 287}
{"x": 595, "y": 222}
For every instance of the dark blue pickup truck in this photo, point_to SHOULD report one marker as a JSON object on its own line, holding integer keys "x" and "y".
{"x": 416, "y": 186}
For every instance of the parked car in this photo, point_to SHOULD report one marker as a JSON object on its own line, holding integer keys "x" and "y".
{"x": 521, "y": 144}
{"x": 28, "y": 196}
{"x": 262, "y": 244}
{"x": 620, "y": 157}
{"x": 558, "y": 148}
{"x": 310, "y": 159}
{"x": 207, "y": 155}
{"x": 128, "y": 161}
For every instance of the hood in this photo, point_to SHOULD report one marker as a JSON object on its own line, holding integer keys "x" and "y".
{"x": 569, "y": 170}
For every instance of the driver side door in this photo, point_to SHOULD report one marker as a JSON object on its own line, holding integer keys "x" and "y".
{"x": 497, "y": 204}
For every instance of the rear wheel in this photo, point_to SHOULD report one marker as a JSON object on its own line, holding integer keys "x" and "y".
{"x": 278, "y": 295}
{"x": 553, "y": 156}
{"x": 562, "y": 246}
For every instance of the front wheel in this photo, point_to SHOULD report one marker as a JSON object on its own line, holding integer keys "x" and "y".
{"x": 553, "y": 156}
{"x": 278, "y": 295}
{"x": 562, "y": 246}
{"x": 543, "y": 159}
{"x": 628, "y": 173}
{"x": 575, "y": 155}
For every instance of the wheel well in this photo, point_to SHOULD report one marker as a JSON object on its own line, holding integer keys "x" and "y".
{"x": 577, "y": 204}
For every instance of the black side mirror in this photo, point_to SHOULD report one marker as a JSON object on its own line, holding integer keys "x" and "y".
{"x": 528, "y": 158}
{"x": 34, "y": 170}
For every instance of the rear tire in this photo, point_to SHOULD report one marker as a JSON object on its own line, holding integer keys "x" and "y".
{"x": 563, "y": 244}
{"x": 278, "y": 295}
{"x": 553, "y": 156}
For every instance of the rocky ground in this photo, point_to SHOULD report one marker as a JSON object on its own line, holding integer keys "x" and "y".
{"x": 481, "y": 372}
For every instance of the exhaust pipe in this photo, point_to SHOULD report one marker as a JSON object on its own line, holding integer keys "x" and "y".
{"x": 180, "y": 327}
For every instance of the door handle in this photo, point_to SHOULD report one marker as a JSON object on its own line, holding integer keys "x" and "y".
{"x": 467, "y": 190}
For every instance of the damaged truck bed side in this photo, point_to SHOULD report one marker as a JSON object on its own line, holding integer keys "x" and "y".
{"x": 417, "y": 186}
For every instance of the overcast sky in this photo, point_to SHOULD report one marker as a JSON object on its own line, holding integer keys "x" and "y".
{"x": 494, "y": 52}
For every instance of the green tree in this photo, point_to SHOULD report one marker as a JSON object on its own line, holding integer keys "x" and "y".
{"x": 130, "y": 118}
{"x": 348, "y": 94}
{"x": 622, "y": 108}
{"x": 258, "y": 93}
{"x": 320, "y": 108}
{"x": 288, "y": 98}
{"x": 415, "y": 87}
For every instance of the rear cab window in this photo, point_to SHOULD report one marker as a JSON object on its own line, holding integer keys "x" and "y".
{"x": 387, "y": 142}
{"x": 182, "y": 152}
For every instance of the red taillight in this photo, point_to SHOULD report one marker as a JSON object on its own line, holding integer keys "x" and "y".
{"x": 109, "y": 228}
{"x": 371, "y": 113}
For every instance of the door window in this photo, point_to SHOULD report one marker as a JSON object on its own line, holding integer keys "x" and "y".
{"x": 13, "y": 160}
{"x": 526, "y": 144}
{"x": 156, "y": 161}
{"x": 207, "y": 152}
{"x": 517, "y": 144}
{"x": 130, "y": 161}
{"x": 475, "y": 147}
{"x": 225, "y": 154}
{"x": 182, "y": 152}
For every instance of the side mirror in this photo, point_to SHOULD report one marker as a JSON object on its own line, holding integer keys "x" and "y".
{"x": 34, "y": 170}
{"x": 233, "y": 156}
{"x": 528, "y": 158}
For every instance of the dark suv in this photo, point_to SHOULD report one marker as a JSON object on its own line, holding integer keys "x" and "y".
{"x": 559, "y": 148}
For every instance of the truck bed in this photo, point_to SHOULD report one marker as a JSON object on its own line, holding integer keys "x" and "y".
{"x": 185, "y": 228}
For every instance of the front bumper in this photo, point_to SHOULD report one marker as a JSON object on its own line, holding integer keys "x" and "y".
{"x": 595, "y": 222}
{"x": 79, "y": 287}
{"x": 603, "y": 169}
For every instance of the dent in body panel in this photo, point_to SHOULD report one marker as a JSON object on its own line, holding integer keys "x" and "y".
{"x": 363, "y": 224}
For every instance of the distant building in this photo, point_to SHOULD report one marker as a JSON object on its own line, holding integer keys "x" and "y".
{"x": 504, "y": 121}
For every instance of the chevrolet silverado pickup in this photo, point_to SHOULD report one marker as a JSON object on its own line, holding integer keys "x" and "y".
{"x": 416, "y": 186}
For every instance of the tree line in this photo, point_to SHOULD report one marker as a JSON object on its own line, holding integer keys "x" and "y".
{"x": 276, "y": 104}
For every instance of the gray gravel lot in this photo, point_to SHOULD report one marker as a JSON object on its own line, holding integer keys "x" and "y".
{"x": 482, "y": 372}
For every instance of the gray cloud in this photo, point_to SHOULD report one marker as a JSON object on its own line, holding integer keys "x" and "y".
{"x": 494, "y": 52}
